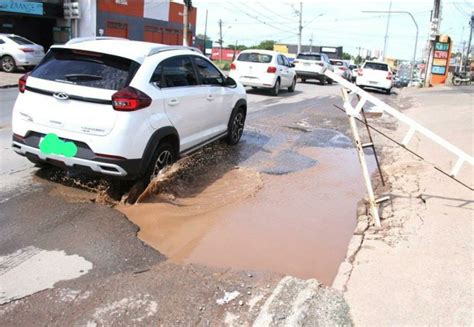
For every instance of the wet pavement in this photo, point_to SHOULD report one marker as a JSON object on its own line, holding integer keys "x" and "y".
{"x": 283, "y": 201}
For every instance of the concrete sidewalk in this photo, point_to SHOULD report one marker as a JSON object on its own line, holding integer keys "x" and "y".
{"x": 10, "y": 79}
{"x": 418, "y": 269}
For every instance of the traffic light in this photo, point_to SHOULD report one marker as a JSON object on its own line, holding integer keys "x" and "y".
{"x": 71, "y": 10}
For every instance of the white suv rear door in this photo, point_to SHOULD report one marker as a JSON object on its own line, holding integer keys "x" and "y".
{"x": 284, "y": 72}
{"x": 184, "y": 100}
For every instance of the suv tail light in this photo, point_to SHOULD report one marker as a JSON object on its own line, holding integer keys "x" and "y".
{"x": 233, "y": 66}
{"x": 27, "y": 50}
{"x": 22, "y": 83}
{"x": 389, "y": 76}
{"x": 271, "y": 69}
{"x": 360, "y": 72}
{"x": 130, "y": 99}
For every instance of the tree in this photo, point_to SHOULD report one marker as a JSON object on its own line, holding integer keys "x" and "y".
{"x": 240, "y": 47}
{"x": 346, "y": 56}
{"x": 358, "y": 60}
{"x": 266, "y": 45}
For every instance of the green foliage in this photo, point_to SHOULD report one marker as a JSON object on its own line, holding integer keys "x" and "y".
{"x": 224, "y": 65}
{"x": 346, "y": 56}
{"x": 266, "y": 45}
{"x": 358, "y": 60}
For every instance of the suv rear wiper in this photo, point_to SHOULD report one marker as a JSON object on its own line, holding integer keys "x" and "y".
{"x": 82, "y": 77}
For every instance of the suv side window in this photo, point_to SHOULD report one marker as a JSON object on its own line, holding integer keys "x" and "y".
{"x": 285, "y": 61}
{"x": 208, "y": 74}
{"x": 174, "y": 72}
{"x": 280, "y": 60}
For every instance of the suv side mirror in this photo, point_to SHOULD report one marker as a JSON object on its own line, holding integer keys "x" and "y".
{"x": 292, "y": 65}
{"x": 230, "y": 82}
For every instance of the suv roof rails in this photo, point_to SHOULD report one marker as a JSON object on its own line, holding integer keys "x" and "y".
{"x": 92, "y": 38}
{"x": 171, "y": 48}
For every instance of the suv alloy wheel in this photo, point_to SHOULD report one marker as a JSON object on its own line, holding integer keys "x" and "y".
{"x": 164, "y": 156}
{"x": 236, "y": 127}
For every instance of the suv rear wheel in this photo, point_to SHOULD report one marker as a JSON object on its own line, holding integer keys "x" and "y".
{"x": 236, "y": 126}
{"x": 8, "y": 64}
{"x": 292, "y": 86}
{"x": 276, "y": 88}
{"x": 164, "y": 155}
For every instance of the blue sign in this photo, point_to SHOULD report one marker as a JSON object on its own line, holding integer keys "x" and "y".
{"x": 31, "y": 8}
{"x": 438, "y": 70}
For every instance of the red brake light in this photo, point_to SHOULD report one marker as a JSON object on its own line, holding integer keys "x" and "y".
{"x": 360, "y": 72}
{"x": 130, "y": 99}
{"x": 343, "y": 68}
{"x": 22, "y": 83}
{"x": 271, "y": 69}
{"x": 389, "y": 76}
{"x": 27, "y": 50}
{"x": 232, "y": 66}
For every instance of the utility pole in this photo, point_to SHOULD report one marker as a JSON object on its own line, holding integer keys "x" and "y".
{"x": 300, "y": 27}
{"x": 205, "y": 34}
{"x": 220, "y": 41}
{"x": 434, "y": 31}
{"x": 311, "y": 43}
{"x": 186, "y": 7}
{"x": 386, "y": 31}
{"x": 469, "y": 42}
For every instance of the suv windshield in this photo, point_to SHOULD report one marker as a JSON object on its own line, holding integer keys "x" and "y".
{"x": 86, "y": 69}
{"x": 376, "y": 66}
{"x": 309, "y": 56}
{"x": 20, "y": 40}
{"x": 255, "y": 57}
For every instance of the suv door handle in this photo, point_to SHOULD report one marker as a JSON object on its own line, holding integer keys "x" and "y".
{"x": 210, "y": 97}
{"x": 173, "y": 102}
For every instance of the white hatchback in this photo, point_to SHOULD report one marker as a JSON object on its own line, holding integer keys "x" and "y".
{"x": 124, "y": 108}
{"x": 264, "y": 69}
{"x": 16, "y": 51}
{"x": 375, "y": 74}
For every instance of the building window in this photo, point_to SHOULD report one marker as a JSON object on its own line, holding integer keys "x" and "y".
{"x": 121, "y": 2}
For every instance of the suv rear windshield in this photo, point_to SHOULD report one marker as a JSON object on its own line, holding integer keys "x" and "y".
{"x": 20, "y": 40}
{"x": 255, "y": 57}
{"x": 376, "y": 66}
{"x": 86, "y": 68}
{"x": 309, "y": 57}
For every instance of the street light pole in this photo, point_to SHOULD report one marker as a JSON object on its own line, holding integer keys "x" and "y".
{"x": 300, "y": 27}
{"x": 416, "y": 40}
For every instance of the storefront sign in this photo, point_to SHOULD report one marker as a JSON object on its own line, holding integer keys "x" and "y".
{"x": 31, "y": 8}
{"x": 441, "y": 54}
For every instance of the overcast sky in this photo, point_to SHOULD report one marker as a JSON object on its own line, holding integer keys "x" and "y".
{"x": 342, "y": 22}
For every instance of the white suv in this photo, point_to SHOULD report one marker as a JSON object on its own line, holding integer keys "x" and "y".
{"x": 312, "y": 65}
{"x": 124, "y": 108}
{"x": 264, "y": 69}
{"x": 375, "y": 74}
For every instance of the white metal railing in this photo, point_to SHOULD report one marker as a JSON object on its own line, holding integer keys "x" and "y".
{"x": 365, "y": 97}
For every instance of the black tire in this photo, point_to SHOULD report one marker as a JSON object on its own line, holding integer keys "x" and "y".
{"x": 303, "y": 80}
{"x": 293, "y": 86}
{"x": 165, "y": 155}
{"x": 456, "y": 81}
{"x": 388, "y": 91}
{"x": 329, "y": 81}
{"x": 276, "y": 88}
{"x": 8, "y": 64}
{"x": 322, "y": 81}
{"x": 235, "y": 129}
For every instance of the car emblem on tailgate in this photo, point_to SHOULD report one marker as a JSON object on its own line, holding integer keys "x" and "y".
{"x": 61, "y": 96}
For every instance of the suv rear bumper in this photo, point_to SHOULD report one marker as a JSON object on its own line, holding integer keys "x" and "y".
{"x": 72, "y": 162}
{"x": 306, "y": 74}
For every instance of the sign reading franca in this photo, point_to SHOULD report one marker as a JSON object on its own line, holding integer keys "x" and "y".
{"x": 30, "y": 8}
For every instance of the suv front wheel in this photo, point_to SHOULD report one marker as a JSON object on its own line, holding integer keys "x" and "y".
{"x": 236, "y": 126}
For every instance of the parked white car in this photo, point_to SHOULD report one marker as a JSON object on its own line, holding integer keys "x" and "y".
{"x": 264, "y": 69}
{"x": 311, "y": 65}
{"x": 124, "y": 108}
{"x": 16, "y": 51}
{"x": 375, "y": 74}
{"x": 341, "y": 68}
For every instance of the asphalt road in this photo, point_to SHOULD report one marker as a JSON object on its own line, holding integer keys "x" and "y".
{"x": 105, "y": 268}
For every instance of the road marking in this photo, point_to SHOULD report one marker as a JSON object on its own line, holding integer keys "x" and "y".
{"x": 31, "y": 270}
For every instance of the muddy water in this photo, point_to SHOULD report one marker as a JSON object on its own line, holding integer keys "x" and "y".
{"x": 298, "y": 223}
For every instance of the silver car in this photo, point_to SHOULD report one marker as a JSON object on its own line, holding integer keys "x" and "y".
{"x": 16, "y": 51}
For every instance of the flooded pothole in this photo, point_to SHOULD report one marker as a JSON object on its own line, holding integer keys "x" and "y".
{"x": 283, "y": 203}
